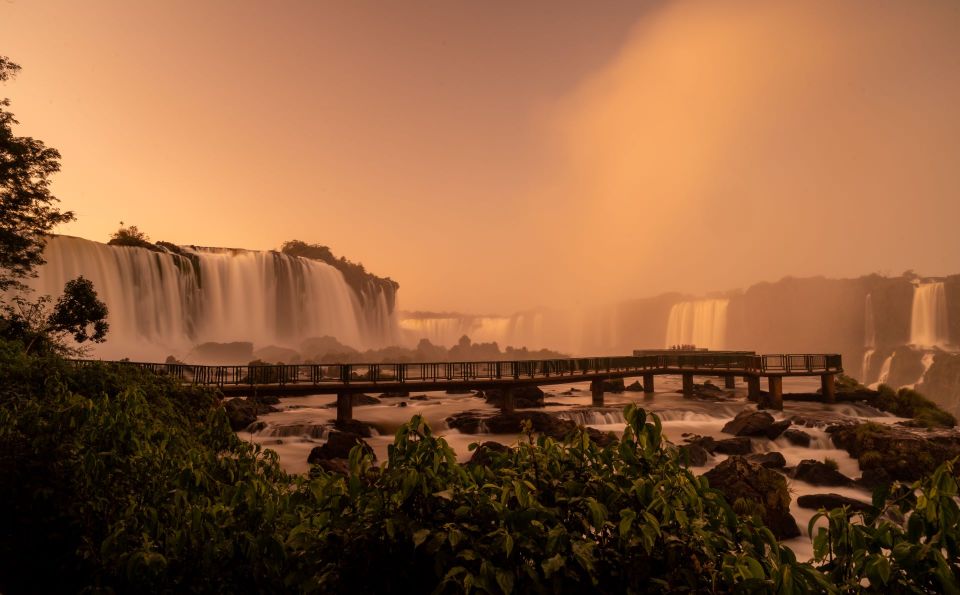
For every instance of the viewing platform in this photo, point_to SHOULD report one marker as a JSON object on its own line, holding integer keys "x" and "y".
{"x": 344, "y": 380}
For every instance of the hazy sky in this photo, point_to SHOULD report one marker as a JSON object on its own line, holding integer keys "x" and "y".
{"x": 495, "y": 156}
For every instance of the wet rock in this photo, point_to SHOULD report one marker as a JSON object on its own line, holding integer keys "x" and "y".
{"x": 613, "y": 385}
{"x": 481, "y": 456}
{"x": 243, "y": 412}
{"x": 524, "y": 397}
{"x": 634, "y": 387}
{"x": 770, "y": 460}
{"x": 694, "y": 454}
{"x": 753, "y": 489}
{"x": 337, "y": 446}
{"x": 901, "y": 453}
{"x": 266, "y": 399}
{"x": 797, "y": 437}
{"x": 419, "y": 398}
{"x": 355, "y": 426}
{"x": 395, "y": 394}
{"x": 749, "y": 423}
{"x": 777, "y": 428}
{"x": 819, "y": 473}
{"x": 709, "y": 391}
{"x": 341, "y": 466}
{"x": 831, "y": 501}
{"x": 740, "y": 445}
{"x": 473, "y": 422}
{"x": 402, "y": 404}
{"x": 705, "y": 442}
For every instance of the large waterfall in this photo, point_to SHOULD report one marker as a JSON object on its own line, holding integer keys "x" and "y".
{"x": 162, "y": 304}
{"x": 928, "y": 323}
{"x": 702, "y": 323}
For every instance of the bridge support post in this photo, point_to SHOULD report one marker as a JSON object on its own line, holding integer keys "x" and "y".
{"x": 753, "y": 388}
{"x": 344, "y": 407}
{"x": 648, "y": 385}
{"x": 730, "y": 382}
{"x": 828, "y": 387}
{"x": 596, "y": 391}
{"x": 774, "y": 398}
{"x": 508, "y": 405}
{"x": 687, "y": 384}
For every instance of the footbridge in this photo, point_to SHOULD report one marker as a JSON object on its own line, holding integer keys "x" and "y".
{"x": 345, "y": 380}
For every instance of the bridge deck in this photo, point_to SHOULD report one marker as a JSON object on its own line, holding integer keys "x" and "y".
{"x": 303, "y": 379}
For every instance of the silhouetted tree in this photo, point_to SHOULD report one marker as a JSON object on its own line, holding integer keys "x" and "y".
{"x": 28, "y": 210}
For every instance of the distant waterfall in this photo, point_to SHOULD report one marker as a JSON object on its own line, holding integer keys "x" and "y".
{"x": 869, "y": 338}
{"x": 523, "y": 329}
{"x": 701, "y": 322}
{"x": 928, "y": 324}
{"x": 162, "y": 303}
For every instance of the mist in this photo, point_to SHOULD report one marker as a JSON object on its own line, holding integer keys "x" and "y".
{"x": 741, "y": 141}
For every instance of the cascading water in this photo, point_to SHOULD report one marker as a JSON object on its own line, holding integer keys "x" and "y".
{"x": 928, "y": 322}
{"x": 700, "y": 322}
{"x": 163, "y": 303}
{"x": 446, "y": 330}
{"x": 869, "y": 339}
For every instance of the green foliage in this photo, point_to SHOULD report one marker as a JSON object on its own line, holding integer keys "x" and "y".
{"x": 78, "y": 313}
{"x": 132, "y": 236}
{"x": 123, "y": 481}
{"x": 910, "y": 545}
{"x": 909, "y": 403}
{"x": 28, "y": 209}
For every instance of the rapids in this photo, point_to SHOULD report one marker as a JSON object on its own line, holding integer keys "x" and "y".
{"x": 302, "y": 423}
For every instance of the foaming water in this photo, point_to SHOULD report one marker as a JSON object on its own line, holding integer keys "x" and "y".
{"x": 163, "y": 303}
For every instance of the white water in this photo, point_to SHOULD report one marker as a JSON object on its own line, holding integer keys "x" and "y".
{"x": 303, "y": 422}
{"x": 928, "y": 321}
{"x": 884, "y": 372}
{"x": 159, "y": 306}
{"x": 702, "y": 323}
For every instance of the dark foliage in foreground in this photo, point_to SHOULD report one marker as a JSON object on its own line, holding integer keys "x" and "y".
{"x": 114, "y": 480}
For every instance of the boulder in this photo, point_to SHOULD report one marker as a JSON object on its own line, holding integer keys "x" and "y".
{"x": 481, "y": 456}
{"x": 753, "y": 489}
{"x": 473, "y": 422}
{"x": 820, "y": 474}
{"x": 613, "y": 385}
{"x": 694, "y": 455}
{"x": 419, "y": 398}
{"x": 740, "y": 445}
{"x": 770, "y": 460}
{"x": 528, "y": 396}
{"x": 831, "y": 501}
{"x": 705, "y": 442}
{"x": 797, "y": 437}
{"x": 337, "y": 446}
{"x": 749, "y": 423}
{"x": 243, "y": 412}
{"x": 354, "y": 427}
{"x": 777, "y": 428}
{"x": 896, "y": 453}
{"x": 634, "y": 387}
{"x": 710, "y": 392}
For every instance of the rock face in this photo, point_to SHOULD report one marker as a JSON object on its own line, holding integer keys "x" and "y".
{"x": 831, "y": 501}
{"x": 473, "y": 422}
{"x": 749, "y": 423}
{"x": 524, "y": 397}
{"x": 888, "y": 453}
{"x": 481, "y": 456}
{"x": 710, "y": 392}
{"x": 753, "y": 489}
{"x": 770, "y": 460}
{"x": 337, "y": 446}
{"x": 777, "y": 428}
{"x": 243, "y": 412}
{"x": 820, "y": 474}
{"x": 797, "y": 437}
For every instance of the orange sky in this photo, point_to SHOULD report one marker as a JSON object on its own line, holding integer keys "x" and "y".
{"x": 495, "y": 156}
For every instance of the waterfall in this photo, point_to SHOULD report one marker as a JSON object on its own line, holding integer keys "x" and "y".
{"x": 523, "y": 329}
{"x": 869, "y": 339}
{"x": 163, "y": 303}
{"x": 700, "y": 322}
{"x": 884, "y": 371}
{"x": 928, "y": 323}
{"x": 865, "y": 366}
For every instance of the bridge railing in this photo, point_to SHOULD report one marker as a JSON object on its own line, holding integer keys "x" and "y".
{"x": 332, "y": 374}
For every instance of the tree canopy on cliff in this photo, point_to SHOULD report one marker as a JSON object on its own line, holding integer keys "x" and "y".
{"x": 28, "y": 210}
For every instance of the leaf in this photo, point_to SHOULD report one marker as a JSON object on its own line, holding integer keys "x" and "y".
{"x": 627, "y": 516}
{"x": 552, "y": 565}
{"x": 420, "y": 536}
